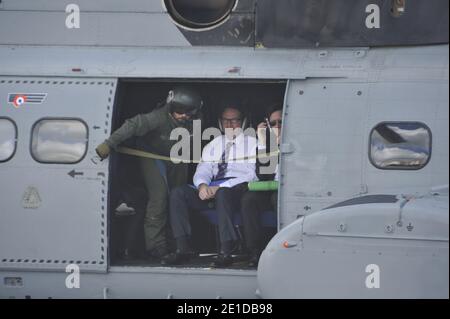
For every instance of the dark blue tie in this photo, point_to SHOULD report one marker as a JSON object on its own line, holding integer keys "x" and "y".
{"x": 223, "y": 165}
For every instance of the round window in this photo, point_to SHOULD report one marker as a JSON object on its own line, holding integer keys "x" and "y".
{"x": 199, "y": 14}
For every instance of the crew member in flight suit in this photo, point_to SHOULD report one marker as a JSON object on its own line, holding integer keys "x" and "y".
{"x": 153, "y": 130}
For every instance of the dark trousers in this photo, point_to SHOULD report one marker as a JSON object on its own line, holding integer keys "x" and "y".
{"x": 185, "y": 199}
{"x": 252, "y": 205}
{"x": 155, "y": 220}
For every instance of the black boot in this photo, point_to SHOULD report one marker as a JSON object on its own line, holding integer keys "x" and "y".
{"x": 225, "y": 259}
{"x": 157, "y": 253}
{"x": 182, "y": 255}
{"x": 253, "y": 261}
{"x": 222, "y": 261}
{"x": 177, "y": 258}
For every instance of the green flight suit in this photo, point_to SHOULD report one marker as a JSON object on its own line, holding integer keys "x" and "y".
{"x": 154, "y": 128}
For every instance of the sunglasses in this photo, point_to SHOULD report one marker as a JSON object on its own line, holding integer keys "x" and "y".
{"x": 276, "y": 123}
{"x": 190, "y": 113}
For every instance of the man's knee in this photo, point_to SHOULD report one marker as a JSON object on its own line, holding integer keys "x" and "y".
{"x": 178, "y": 193}
{"x": 223, "y": 194}
{"x": 249, "y": 199}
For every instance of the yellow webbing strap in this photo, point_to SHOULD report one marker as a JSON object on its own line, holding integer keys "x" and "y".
{"x": 138, "y": 153}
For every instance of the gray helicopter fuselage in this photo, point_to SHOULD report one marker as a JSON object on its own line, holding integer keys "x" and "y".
{"x": 340, "y": 95}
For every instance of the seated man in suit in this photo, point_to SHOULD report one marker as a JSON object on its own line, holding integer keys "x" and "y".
{"x": 222, "y": 176}
{"x": 254, "y": 203}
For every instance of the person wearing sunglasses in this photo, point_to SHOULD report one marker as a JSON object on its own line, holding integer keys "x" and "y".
{"x": 153, "y": 131}
{"x": 254, "y": 203}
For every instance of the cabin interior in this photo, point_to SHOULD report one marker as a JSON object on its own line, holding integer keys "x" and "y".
{"x": 126, "y": 185}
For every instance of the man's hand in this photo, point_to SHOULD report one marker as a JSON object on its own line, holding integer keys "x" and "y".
{"x": 203, "y": 192}
{"x": 212, "y": 190}
{"x": 103, "y": 150}
{"x": 206, "y": 192}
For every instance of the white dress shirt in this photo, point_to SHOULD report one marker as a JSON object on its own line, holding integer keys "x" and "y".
{"x": 240, "y": 168}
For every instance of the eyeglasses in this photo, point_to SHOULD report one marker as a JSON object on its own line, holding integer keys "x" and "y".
{"x": 231, "y": 121}
{"x": 276, "y": 123}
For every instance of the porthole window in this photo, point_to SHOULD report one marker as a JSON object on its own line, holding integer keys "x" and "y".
{"x": 60, "y": 141}
{"x": 8, "y": 139}
{"x": 400, "y": 145}
{"x": 199, "y": 14}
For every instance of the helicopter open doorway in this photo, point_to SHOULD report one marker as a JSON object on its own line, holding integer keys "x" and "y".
{"x": 127, "y": 188}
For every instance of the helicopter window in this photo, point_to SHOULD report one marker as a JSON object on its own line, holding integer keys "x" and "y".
{"x": 8, "y": 139}
{"x": 199, "y": 14}
{"x": 60, "y": 141}
{"x": 400, "y": 145}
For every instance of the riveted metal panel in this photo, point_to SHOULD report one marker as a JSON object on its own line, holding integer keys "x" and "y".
{"x": 96, "y": 29}
{"x": 84, "y": 5}
{"x": 324, "y": 126}
{"x": 55, "y": 214}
